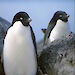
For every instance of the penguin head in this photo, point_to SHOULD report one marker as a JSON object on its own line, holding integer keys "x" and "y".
{"x": 61, "y": 15}
{"x": 23, "y": 17}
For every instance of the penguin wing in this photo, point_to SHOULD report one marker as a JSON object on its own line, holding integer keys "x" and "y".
{"x": 34, "y": 39}
{"x": 1, "y": 67}
{"x": 48, "y": 32}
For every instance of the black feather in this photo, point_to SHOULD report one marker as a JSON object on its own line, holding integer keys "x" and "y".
{"x": 33, "y": 38}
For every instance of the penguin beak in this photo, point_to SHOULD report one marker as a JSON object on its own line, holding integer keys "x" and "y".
{"x": 67, "y": 16}
{"x": 29, "y": 20}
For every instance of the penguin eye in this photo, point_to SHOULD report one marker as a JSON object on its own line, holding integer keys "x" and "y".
{"x": 60, "y": 16}
{"x": 21, "y": 18}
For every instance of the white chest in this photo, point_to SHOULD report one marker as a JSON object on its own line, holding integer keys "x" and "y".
{"x": 19, "y": 52}
{"x": 60, "y": 30}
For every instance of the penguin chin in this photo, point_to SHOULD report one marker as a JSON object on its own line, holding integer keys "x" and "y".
{"x": 65, "y": 20}
{"x": 25, "y": 23}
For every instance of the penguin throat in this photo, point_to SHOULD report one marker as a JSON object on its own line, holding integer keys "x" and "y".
{"x": 25, "y": 24}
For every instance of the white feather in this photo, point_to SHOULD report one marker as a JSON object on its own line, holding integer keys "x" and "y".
{"x": 19, "y": 53}
{"x": 60, "y": 30}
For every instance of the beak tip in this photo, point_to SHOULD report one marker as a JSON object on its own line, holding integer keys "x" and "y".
{"x": 29, "y": 19}
{"x": 68, "y": 16}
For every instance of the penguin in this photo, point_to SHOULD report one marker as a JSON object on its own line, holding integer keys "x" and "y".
{"x": 57, "y": 28}
{"x": 20, "y": 51}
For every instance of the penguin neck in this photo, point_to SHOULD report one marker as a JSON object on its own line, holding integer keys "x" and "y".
{"x": 19, "y": 24}
{"x": 61, "y": 24}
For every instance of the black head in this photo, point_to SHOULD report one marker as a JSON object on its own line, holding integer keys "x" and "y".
{"x": 61, "y": 15}
{"x": 23, "y": 17}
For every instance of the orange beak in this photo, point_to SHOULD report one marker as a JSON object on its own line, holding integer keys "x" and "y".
{"x": 29, "y": 20}
{"x": 68, "y": 16}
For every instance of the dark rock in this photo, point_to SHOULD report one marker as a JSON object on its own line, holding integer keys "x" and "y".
{"x": 58, "y": 58}
{"x": 4, "y": 25}
{"x": 39, "y": 46}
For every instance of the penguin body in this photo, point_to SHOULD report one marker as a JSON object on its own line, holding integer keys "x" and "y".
{"x": 60, "y": 30}
{"x": 58, "y": 27}
{"x": 19, "y": 51}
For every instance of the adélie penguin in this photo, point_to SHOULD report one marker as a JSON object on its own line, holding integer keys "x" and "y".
{"x": 58, "y": 27}
{"x": 20, "y": 47}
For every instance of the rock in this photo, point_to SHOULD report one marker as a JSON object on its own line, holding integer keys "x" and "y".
{"x": 4, "y": 25}
{"x": 58, "y": 58}
{"x": 39, "y": 47}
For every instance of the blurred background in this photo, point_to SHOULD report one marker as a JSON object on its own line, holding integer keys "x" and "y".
{"x": 41, "y": 12}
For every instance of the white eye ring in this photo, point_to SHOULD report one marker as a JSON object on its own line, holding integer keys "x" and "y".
{"x": 21, "y": 18}
{"x": 60, "y": 15}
